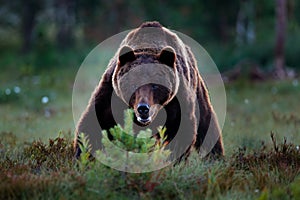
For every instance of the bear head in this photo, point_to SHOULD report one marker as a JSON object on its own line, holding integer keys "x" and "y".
{"x": 146, "y": 81}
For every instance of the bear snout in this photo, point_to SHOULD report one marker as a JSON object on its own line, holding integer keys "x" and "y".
{"x": 143, "y": 109}
{"x": 142, "y": 114}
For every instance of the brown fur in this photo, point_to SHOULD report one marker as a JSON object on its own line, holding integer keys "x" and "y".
{"x": 188, "y": 91}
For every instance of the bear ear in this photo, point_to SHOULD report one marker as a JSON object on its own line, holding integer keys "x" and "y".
{"x": 126, "y": 54}
{"x": 167, "y": 56}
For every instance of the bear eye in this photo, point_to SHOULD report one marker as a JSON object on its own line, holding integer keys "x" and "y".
{"x": 154, "y": 87}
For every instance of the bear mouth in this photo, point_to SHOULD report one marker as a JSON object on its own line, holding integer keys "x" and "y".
{"x": 144, "y": 121}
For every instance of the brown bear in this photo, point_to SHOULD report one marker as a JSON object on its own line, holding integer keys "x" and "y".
{"x": 153, "y": 70}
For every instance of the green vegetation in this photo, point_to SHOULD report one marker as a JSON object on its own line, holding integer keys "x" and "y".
{"x": 48, "y": 171}
{"x": 231, "y": 31}
{"x": 130, "y": 152}
{"x": 256, "y": 166}
{"x": 42, "y": 49}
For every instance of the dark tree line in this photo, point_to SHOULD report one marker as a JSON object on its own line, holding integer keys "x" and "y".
{"x": 281, "y": 7}
{"x": 237, "y": 22}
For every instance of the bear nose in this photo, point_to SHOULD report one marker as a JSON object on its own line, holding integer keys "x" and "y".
{"x": 143, "y": 109}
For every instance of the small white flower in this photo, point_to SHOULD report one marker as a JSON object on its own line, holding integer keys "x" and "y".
{"x": 7, "y": 91}
{"x": 246, "y": 101}
{"x": 45, "y": 99}
{"x": 17, "y": 89}
{"x": 295, "y": 83}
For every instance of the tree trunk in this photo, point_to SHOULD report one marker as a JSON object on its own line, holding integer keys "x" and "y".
{"x": 65, "y": 20}
{"x": 29, "y": 11}
{"x": 245, "y": 33}
{"x": 280, "y": 39}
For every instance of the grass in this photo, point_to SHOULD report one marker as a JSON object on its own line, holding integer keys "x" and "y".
{"x": 26, "y": 115}
{"x": 48, "y": 171}
{"x": 256, "y": 165}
